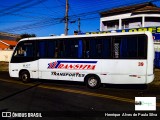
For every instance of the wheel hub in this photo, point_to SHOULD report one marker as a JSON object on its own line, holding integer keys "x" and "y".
{"x": 24, "y": 77}
{"x": 92, "y": 82}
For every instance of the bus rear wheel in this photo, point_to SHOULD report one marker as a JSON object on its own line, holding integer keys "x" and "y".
{"x": 25, "y": 76}
{"x": 92, "y": 81}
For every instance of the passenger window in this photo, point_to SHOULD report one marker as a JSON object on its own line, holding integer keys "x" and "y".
{"x": 42, "y": 49}
{"x": 51, "y": 49}
{"x": 130, "y": 47}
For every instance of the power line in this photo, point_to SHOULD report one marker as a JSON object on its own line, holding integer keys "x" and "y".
{"x": 53, "y": 21}
{"x": 100, "y": 10}
{"x": 35, "y": 25}
{"x": 49, "y": 8}
{"x": 15, "y": 7}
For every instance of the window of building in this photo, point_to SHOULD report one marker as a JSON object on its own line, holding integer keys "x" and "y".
{"x": 125, "y": 24}
{"x": 135, "y": 22}
{"x": 112, "y": 25}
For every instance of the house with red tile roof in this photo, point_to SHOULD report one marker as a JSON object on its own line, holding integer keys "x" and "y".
{"x": 7, "y": 44}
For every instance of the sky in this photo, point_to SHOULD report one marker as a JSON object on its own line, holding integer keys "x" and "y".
{"x": 46, "y": 17}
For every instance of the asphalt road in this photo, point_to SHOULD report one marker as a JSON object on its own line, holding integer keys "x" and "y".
{"x": 63, "y": 99}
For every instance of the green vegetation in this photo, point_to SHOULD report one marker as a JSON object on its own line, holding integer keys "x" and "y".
{"x": 26, "y": 35}
{"x": 156, "y": 77}
{"x": 3, "y": 66}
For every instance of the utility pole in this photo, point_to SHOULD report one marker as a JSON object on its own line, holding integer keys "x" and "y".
{"x": 79, "y": 25}
{"x": 66, "y": 18}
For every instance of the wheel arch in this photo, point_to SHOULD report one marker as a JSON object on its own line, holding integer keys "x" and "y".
{"x": 22, "y": 70}
{"x": 92, "y": 75}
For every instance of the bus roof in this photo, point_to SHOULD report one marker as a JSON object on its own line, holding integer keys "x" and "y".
{"x": 86, "y": 35}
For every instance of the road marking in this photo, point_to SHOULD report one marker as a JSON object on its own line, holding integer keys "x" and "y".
{"x": 17, "y": 82}
{"x": 77, "y": 92}
{"x": 86, "y": 93}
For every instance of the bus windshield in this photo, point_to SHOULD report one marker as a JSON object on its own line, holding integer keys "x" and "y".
{"x": 24, "y": 49}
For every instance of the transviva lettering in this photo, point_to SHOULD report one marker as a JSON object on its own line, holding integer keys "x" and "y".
{"x": 73, "y": 65}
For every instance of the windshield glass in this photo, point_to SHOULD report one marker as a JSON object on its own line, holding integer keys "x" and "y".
{"x": 24, "y": 49}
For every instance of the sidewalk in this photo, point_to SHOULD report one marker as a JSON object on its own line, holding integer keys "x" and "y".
{"x": 154, "y": 87}
{"x": 156, "y": 81}
{"x": 157, "y": 75}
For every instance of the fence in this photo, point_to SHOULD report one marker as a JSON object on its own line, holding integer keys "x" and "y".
{"x": 5, "y": 55}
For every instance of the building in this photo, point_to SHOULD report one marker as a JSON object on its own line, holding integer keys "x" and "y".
{"x": 8, "y": 36}
{"x": 135, "y": 16}
{"x": 7, "y": 44}
{"x": 8, "y": 40}
{"x": 139, "y": 17}
{"x": 6, "y": 49}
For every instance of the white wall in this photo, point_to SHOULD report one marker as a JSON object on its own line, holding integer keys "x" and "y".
{"x": 128, "y": 16}
{"x": 150, "y": 24}
{"x": 135, "y": 25}
{"x": 5, "y": 55}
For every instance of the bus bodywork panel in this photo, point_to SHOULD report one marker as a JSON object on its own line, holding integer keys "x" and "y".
{"x": 68, "y": 69}
{"x": 124, "y": 71}
{"x": 113, "y": 67}
{"x": 109, "y": 71}
{"x": 32, "y": 67}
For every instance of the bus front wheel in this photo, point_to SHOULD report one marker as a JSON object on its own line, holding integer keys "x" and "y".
{"x": 92, "y": 81}
{"x": 25, "y": 76}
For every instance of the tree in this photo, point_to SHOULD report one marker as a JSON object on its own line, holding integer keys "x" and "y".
{"x": 26, "y": 35}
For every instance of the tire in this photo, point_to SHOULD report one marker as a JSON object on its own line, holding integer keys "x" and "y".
{"x": 93, "y": 81}
{"x": 25, "y": 76}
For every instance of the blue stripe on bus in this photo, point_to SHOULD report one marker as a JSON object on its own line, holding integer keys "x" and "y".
{"x": 61, "y": 61}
